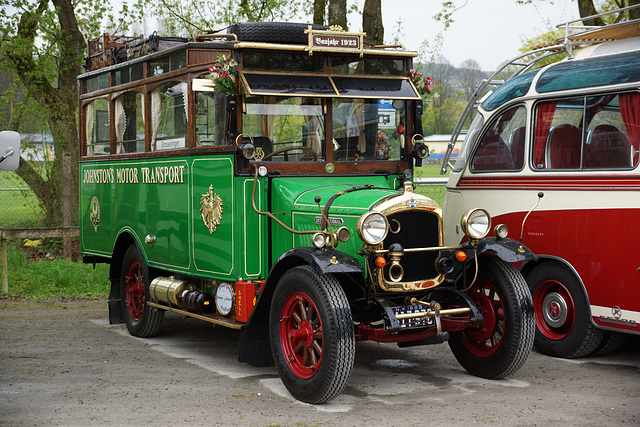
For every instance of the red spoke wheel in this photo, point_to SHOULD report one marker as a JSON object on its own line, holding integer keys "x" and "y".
{"x": 141, "y": 319}
{"x": 312, "y": 336}
{"x": 485, "y": 339}
{"x": 301, "y": 334}
{"x": 563, "y": 323}
{"x": 134, "y": 290}
{"x": 501, "y": 344}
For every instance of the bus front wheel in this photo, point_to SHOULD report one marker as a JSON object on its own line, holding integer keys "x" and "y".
{"x": 141, "y": 319}
{"x": 312, "y": 336}
{"x": 501, "y": 344}
{"x": 563, "y": 324}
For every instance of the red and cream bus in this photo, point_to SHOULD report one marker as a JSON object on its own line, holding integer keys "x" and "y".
{"x": 564, "y": 136}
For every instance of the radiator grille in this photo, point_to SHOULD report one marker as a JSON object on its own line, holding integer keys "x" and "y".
{"x": 418, "y": 229}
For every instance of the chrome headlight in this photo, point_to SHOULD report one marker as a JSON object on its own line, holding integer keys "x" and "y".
{"x": 476, "y": 223}
{"x": 319, "y": 240}
{"x": 373, "y": 227}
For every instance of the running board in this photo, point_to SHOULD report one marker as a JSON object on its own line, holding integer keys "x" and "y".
{"x": 216, "y": 319}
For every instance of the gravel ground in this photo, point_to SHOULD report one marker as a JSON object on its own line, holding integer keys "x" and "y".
{"x": 61, "y": 363}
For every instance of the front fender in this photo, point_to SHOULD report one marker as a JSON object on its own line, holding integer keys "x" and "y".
{"x": 323, "y": 261}
{"x": 254, "y": 336}
{"x": 507, "y": 249}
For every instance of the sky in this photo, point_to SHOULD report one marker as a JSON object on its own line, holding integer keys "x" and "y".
{"x": 489, "y": 31}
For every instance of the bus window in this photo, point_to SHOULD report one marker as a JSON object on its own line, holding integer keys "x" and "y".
{"x": 368, "y": 129}
{"x": 614, "y": 123}
{"x": 129, "y": 122}
{"x": 210, "y": 119}
{"x": 596, "y": 132}
{"x": 502, "y": 145}
{"x": 285, "y": 129}
{"x": 169, "y": 116}
{"x": 97, "y": 127}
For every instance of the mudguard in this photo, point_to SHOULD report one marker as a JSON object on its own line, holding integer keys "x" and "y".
{"x": 507, "y": 249}
{"x": 323, "y": 261}
{"x": 254, "y": 336}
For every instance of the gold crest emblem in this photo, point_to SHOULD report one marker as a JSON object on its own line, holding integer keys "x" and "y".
{"x": 211, "y": 209}
{"x": 94, "y": 213}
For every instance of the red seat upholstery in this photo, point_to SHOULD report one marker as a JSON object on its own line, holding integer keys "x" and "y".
{"x": 492, "y": 153}
{"x": 516, "y": 145}
{"x": 607, "y": 147}
{"x": 563, "y": 147}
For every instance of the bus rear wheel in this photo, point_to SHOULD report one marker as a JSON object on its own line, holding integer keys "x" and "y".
{"x": 312, "y": 336}
{"x": 501, "y": 345}
{"x": 563, "y": 326}
{"x": 141, "y": 319}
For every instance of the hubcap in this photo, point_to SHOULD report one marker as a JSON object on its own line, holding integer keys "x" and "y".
{"x": 554, "y": 309}
{"x": 301, "y": 335}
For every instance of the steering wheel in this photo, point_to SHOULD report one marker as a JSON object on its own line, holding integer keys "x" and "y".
{"x": 305, "y": 149}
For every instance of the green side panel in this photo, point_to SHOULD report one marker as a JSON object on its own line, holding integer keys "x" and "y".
{"x": 213, "y": 248}
{"x": 165, "y": 184}
{"x": 96, "y": 208}
{"x": 252, "y": 229}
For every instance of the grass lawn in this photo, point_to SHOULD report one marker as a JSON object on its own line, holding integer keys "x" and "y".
{"x": 51, "y": 275}
{"x": 17, "y": 208}
{"x": 436, "y": 192}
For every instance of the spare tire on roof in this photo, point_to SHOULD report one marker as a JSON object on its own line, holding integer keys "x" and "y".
{"x": 273, "y": 32}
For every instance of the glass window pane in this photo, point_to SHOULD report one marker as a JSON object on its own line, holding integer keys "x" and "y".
{"x": 285, "y": 129}
{"x": 380, "y": 66}
{"x": 514, "y": 88}
{"x": 267, "y": 84}
{"x": 267, "y": 61}
{"x": 369, "y": 129}
{"x": 97, "y": 127}
{"x": 129, "y": 123}
{"x": 503, "y": 145}
{"x": 210, "y": 119}
{"x": 98, "y": 82}
{"x": 168, "y": 63}
{"x": 374, "y": 87}
{"x": 609, "y": 133}
{"x": 606, "y": 70}
{"x": 169, "y": 116}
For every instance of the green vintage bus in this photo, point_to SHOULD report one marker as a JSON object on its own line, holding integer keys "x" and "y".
{"x": 261, "y": 180}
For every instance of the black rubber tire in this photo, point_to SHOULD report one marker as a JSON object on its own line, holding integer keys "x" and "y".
{"x": 273, "y": 32}
{"x": 611, "y": 342}
{"x": 501, "y": 345}
{"x": 141, "y": 319}
{"x": 330, "y": 337}
{"x": 576, "y": 336}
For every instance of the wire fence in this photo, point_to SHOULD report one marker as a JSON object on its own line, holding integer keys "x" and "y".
{"x": 19, "y": 207}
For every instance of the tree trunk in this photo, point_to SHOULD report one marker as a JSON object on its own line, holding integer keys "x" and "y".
{"x": 587, "y": 8}
{"x": 634, "y": 13}
{"x": 319, "y": 7}
{"x": 59, "y": 102}
{"x": 372, "y": 22}
{"x": 338, "y": 13}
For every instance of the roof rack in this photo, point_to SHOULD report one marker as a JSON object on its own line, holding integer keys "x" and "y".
{"x": 575, "y": 37}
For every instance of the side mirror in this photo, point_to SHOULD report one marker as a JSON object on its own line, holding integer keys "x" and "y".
{"x": 9, "y": 150}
